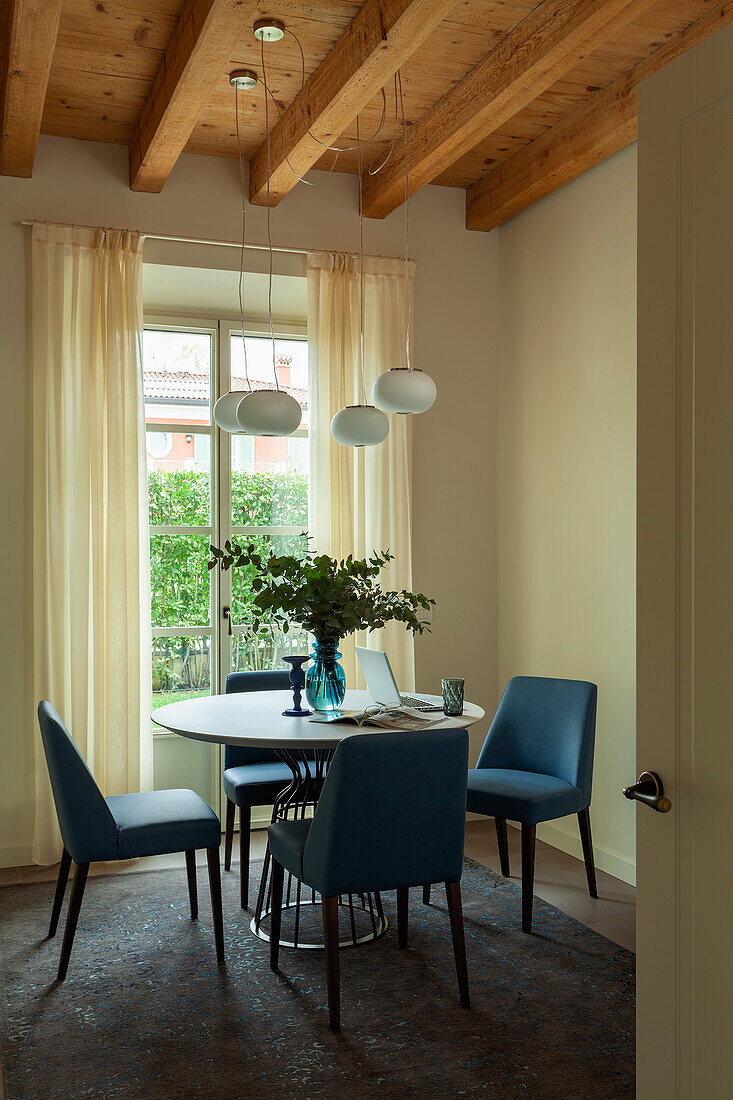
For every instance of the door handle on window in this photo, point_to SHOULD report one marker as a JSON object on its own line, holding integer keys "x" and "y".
{"x": 226, "y": 612}
{"x": 649, "y": 789}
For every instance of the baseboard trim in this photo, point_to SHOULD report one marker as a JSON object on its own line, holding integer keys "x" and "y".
{"x": 613, "y": 863}
{"x": 16, "y": 855}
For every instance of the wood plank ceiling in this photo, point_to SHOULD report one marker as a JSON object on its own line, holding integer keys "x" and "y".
{"x": 506, "y": 98}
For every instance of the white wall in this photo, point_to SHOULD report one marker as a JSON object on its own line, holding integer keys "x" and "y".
{"x": 454, "y": 443}
{"x": 567, "y": 474}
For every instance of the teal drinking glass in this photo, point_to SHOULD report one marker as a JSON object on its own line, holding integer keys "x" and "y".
{"x": 453, "y": 696}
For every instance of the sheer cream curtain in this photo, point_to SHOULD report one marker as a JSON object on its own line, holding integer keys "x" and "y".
{"x": 90, "y": 530}
{"x": 360, "y": 498}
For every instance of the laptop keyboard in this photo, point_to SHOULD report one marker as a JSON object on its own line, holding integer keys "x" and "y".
{"x": 419, "y": 704}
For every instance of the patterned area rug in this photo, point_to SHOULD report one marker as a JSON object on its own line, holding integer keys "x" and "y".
{"x": 144, "y": 1011}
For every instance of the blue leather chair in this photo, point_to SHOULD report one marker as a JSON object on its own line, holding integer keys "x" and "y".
{"x": 537, "y": 765}
{"x": 122, "y": 826}
{"x": 391, "y": 815}
{"x": 252, "y": 777}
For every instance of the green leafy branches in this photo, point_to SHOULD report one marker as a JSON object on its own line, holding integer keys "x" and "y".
{"x": 327, "y": 597}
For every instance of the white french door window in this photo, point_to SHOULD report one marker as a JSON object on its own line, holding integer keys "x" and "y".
{"x": 206, "y": 486}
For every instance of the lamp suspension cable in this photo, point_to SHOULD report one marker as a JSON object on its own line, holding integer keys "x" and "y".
{"x": 408, "y": 283}
{"x": 269, "y": 231}
{"x": 240, "y": 285}
{"x": 371, "y": 169}
{"x": 361, "y": 267}
{"x": 323, "y": 144}
{"x": 286, "y": 158}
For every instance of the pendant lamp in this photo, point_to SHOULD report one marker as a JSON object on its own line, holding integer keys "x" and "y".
{"x": 360, "y": 425}
{"x": 257, "y": 412}
{"x": 405, "y": 389}
{"x": 225, "y": 411}
{"x": 268, "y": 412}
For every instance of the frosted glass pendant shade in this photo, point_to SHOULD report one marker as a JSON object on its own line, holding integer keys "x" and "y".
{"x": 401, "y": 390}
{"x": 225, "y": 411}
{"x": 268, "y": 412}
{"x": 359, "y": 426}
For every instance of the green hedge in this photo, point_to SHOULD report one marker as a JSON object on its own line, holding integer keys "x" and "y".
{"x": 179, "y": 577}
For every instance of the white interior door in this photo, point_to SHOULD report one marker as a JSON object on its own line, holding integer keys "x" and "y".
{"x": 685, "y": 590}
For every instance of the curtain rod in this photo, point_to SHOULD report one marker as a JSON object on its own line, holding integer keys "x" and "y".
{"x": 196, "y": 240}
{"x": 221, "y": 244}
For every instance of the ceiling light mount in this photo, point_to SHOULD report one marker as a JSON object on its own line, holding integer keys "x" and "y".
{"x": 243, "y": 79}
{"x": 269, "y": 30}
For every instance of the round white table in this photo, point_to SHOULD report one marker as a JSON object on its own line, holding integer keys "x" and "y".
{"x": 255, "y": 719}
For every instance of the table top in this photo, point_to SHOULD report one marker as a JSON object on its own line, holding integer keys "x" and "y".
{"x": 255, "y": 718}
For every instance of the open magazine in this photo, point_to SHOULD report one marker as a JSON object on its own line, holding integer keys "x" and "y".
{"x": 380, "y": 717}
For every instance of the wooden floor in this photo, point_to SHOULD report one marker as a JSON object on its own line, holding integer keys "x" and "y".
{"x": 559, "y": 878}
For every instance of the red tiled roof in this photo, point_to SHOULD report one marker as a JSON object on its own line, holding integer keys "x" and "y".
{"x": 192, "y": 386}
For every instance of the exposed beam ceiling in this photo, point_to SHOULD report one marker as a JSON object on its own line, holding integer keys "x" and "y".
{"x": 32, "y": 31}
{"x": 522, "y": 95}
{"x": 205, "y": 37}
{"x": 546, "y": 44}
{"x": 604, "y": 124}
{"x": 380, "y": 38}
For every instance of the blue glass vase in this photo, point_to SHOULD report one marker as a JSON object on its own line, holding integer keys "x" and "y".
{"x": 325, "y": 680}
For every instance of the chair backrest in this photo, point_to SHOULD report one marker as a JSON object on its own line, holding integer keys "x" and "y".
{"x": 392, "y": 813}
{"x": 274, "y": 680}
{"x": 544, "y": 725}
{"x": 87, "y": 826}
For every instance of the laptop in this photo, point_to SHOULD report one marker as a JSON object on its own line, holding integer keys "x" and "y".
{"x": 382, "y": 685}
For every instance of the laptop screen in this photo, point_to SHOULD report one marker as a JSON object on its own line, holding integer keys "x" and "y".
{"x": 378, "y": 674}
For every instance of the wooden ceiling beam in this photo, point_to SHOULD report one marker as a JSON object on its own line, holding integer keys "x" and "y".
{"x": 380, "y": 38}
{"x": 606, "y": 123}
{"x": 31, "y": 39}
{"x": 198, "y": 54}
{"x": 553, "y": 38}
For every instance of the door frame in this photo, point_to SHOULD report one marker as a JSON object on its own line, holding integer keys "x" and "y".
{"x": 678, "y": 106}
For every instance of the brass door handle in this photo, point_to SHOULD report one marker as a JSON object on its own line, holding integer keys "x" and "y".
{"x": 226, "y": 613}
{"x": 649, "y": 789}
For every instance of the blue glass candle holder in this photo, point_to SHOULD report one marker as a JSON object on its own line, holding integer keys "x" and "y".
{"x": 297, "y": 681}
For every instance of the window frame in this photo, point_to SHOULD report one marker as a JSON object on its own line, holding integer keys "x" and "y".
{"x": 221, "y": 329}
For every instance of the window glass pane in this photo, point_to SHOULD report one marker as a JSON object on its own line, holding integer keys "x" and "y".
{"x": 177, "y": 376}
{"x": 181, "y": 669}
{"x": 291, "y": 365}
{"x": 241, "y": 578}
{"x": 250, "y": 653}
{"x": 179, "y": 488}
{"x": 269, "y": 481}
{"x": 179, "y": 580}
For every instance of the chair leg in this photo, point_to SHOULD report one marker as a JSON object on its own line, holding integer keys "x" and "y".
{"x": 193, "y": 896}
{"x": 212, "y": 858}
{"x": 426, "y": 894}
{"x": 77, "y": 893}
{"x": 587, "y": 842}
{"x": 330, "y": 910}
{"x": 455, "y": 912}
{"x": 229, "y": 834}
{"x": 501, "y": 838}
{"x": 276, "y": 908}
{"x": 402, "y": 896}
{"x": 58, "y": 899}
{"x": 245, "y": 823}
{"x": 528, "y": 847}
